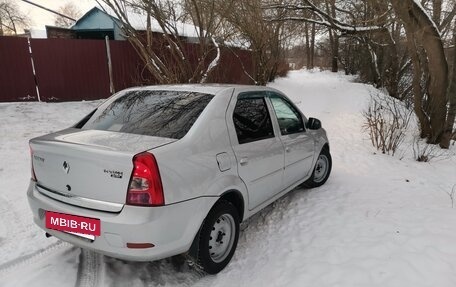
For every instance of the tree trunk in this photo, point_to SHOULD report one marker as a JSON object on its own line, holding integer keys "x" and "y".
{"x": 418, "y": 24}
{"x": 333, "y": 37}
{"x": 425, "y": 126}
{"x": 392, "y": 53}
{"x": 334, "y": 43}
{"x": 335, "y": 54}
{"x": 451, "y": 94}
{"x": 308, "y": 56}
{"x": 312, "y": 46}
{"x": 436, "y": 11}
{"x": 374, "y": 63}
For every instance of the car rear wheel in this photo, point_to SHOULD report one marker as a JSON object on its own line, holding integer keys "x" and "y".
{"x": 218, "y": 237}
{"x": 321, "y": 170}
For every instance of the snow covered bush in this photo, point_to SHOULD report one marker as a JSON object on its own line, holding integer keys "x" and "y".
{"x": 386, "y": 121}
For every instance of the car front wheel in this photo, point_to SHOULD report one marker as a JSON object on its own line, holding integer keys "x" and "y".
{"x": 218, "y": 237}
{"x": 321, "y": 170}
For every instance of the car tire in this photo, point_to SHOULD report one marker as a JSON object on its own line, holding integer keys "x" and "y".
{"x": 321, "y": 170}
{"x": 218, "y": 237}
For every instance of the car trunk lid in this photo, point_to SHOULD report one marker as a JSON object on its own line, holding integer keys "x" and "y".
{"x": 88, "y": 168}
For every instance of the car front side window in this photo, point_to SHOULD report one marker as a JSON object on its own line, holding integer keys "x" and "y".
{"x": 290, "y": 120}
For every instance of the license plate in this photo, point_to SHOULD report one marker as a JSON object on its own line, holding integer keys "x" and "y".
{"x": 77, "y": 225}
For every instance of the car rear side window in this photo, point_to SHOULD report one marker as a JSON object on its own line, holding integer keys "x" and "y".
{"x": 168, "y": 114}
{"x": 252, "y": 120}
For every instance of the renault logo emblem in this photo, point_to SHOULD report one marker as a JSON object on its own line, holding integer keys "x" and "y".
{"x": 66, "y": 167}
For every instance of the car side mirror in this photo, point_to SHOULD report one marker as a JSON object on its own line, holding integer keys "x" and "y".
{"x": 313, "y": 124}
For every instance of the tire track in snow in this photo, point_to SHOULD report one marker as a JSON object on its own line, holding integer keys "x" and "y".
{"x": 14, "y": 224}
{"x": 91, "y": 269}
{"x": 10, "y": 220}
{"x": 32, "y": 258}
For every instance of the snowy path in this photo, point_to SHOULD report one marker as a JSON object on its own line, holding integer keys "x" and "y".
{"x": 379, "y": 221}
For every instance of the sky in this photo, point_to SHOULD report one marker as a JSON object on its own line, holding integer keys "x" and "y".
{"x": 40, "y": 17}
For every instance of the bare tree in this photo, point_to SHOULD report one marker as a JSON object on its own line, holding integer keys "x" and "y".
{"x": 265, "y": 38}
{"x": 425, "y": 46}
{"x": 378, "y": 27}
{"x": 333, "y": 36}
{"x": 70, "y": 10}
{"x": 11, "y": 18}
{"x": 451, "y": 94}
{"x": 310, "y": 33}
{"x": 165, "y": 54}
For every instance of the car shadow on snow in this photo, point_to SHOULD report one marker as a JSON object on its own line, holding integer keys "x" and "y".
{"x": 176, "y": 271}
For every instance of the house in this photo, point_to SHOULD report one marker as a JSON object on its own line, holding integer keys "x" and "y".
{"x": 97, "y": 24}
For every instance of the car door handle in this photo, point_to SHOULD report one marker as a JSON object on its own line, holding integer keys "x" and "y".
{"x": 244, "y": 161}
{"x": 287, "y": 149}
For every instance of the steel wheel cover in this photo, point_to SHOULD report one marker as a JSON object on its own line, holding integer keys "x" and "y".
{"x": 222, "y": 237}
{"x": 321, "y": 168}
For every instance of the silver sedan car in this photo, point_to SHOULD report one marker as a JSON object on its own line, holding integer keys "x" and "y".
{"x": 164, "y": 170}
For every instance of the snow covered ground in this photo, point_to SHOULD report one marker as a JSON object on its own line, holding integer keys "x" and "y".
{"x": 378, "y": 221}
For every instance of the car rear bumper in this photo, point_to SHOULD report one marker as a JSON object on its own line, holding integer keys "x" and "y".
{"x": 171, "y": 228}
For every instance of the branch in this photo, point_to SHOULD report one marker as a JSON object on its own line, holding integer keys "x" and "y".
{"x": 326, "y": 19}
{"x": 214, "y": 62}
{"x": 346, "y": 29}
{"x": 447, "y": 20}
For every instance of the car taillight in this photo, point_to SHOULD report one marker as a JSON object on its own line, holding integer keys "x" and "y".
{"x": 145, "y": 188}
{"x": 33, "y": 176}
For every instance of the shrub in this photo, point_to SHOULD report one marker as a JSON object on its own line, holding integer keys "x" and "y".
{"x": 386, "y": 121}
{"x": 425, "y": 152}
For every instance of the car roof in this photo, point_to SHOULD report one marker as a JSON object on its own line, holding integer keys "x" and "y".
{"x": 213, "y": 89}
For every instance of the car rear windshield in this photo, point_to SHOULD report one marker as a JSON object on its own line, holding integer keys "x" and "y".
{"x": 168, "y": 114}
